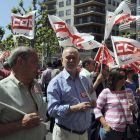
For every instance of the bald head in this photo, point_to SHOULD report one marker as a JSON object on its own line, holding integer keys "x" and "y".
{"x": 70, "y": 59}
{"x": 69, "y": 49}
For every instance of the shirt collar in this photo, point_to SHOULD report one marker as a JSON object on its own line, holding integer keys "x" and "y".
{"x": 87, "y": 72}
{"x": 17, "y": 82}
{"x": 66, "y": 75}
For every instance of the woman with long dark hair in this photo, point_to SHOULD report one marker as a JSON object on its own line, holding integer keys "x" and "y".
{"x": 113, "y": 121}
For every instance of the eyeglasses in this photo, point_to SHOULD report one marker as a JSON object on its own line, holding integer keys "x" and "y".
{"x": 121, "y": 77}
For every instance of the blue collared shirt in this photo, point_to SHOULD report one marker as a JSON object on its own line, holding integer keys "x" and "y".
{"x": 64, "y": 91}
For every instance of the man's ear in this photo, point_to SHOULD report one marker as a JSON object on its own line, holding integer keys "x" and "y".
{"x": 62, "y": 60}
{"x": 20, "y": 62}
{"x": 86, "y": 65}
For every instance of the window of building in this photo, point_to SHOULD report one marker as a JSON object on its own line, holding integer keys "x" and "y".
{"x": 88, "y": 8}
{"x": 80, "y": 11}
{"x": 61, "y": 13}
{"x": 117, "y": 33}
{"x": 89, "y": 19}
{"x": 61, "y": 4}
{"x": 114, "y": 3}
{"x": 68, "y": 21}
{"x": 108, "y": 41}
{"x": 81, "y": 1}
{"x": 109, "y": 1}
{"x": 109, "y": 10}
{"x": 68, "y": 12}
{"x": 113, "y": 32}
{"x": 80, "y": 20}
{"x": 118, "y": 3}
{"x": 68, "y": 2}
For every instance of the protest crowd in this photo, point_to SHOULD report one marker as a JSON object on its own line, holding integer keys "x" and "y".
{"x": 83, "y": 104}
{"x": 70, "y": 97}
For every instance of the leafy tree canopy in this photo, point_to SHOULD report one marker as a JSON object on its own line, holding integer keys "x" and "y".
{"x": 44, "y": 34}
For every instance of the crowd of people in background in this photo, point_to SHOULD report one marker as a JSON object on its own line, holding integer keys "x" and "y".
{"x": 84, "y": 102}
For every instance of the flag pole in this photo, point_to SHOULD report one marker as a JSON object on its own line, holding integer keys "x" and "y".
{"x": 19, "y": 111}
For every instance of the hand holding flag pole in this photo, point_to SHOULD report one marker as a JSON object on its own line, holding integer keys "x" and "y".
{"x": 19, "y": 111}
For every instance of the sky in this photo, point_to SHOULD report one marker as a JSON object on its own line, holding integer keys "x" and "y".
{"x": 5, "y": 12}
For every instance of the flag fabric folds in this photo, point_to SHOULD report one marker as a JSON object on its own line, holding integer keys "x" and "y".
{"x": 23, "y": 25}
{"x": 3, "y": 54}
{"x": 69, "y": 36}
{"x": 103, "y": 56}
{"x": 121, "y": 9}
{"x": 126, "y": 50}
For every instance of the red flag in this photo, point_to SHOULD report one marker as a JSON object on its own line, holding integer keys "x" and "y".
{"x": 4, "y": 55}
{"x": 103, "y": 55}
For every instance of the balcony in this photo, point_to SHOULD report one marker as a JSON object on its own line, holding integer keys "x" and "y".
{"x": 133, "y": 12}
{"x": 128, "y": 2}
{"x": 93, "y": 32}
{"x": 79, "y": 3}
{"x": 89, "y": 11}
{"x": 138, "y": 21}
{"x": 139, "y": 9}
{"x": 128, "y": 26}
{"x": 89, "y": 22}
{"x": 51, "y": 9}
{"x": 46, "y": 1}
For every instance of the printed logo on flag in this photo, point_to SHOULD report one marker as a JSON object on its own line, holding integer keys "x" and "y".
{"x": 104, "y": 55}
{"x": 60, "y": 27}
{"x": 114, "y": 60}
{"x": 84, "y": 94}
{"x": 125, "y": 19}
{"x": 125, "y": 48}
{"x": 35, "y": 90}
{"x": 22, "y": 22}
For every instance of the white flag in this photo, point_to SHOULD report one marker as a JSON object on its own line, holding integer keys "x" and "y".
{"x": 121, "y": 9}
{"x": 68, "y": 35}
{"x": 125, "y": 18}
{"x": 126, "y": 50}
{"x": 23, "y": 25}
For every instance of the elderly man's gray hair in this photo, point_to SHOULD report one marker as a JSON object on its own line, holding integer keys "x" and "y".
{"x": 67, "y": 49}
{"x": 22, "y": 51}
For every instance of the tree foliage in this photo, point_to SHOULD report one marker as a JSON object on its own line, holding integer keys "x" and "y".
{"x": 43, "y": 31}
{"x": 2, "y": 32}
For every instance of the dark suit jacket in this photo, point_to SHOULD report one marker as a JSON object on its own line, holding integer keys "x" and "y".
{"x": 100, "y": 86}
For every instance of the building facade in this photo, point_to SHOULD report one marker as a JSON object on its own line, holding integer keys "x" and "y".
{"x": 88, "y": 16}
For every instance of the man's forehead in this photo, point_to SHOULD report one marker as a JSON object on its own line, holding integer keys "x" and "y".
{"x": 92, "y": 60}
{"x": 107, "y": 67}
{"x": 71, "y": 52}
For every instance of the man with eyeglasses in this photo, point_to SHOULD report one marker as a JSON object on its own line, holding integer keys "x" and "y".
{"x": 68, "y": 102}
{"x": 88, "y": 65}
{"x": 99, "y": 82}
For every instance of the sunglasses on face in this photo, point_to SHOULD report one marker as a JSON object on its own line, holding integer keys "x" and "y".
{"x": 131, "y": 71}
{"x": 121, "y": 77}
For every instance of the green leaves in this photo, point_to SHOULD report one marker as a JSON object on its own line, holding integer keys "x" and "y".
{"x": 44, "y": 33}
{"x": 2, "y": 32}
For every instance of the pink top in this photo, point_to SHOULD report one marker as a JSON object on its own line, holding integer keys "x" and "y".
{"x": 113, "y": 112}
